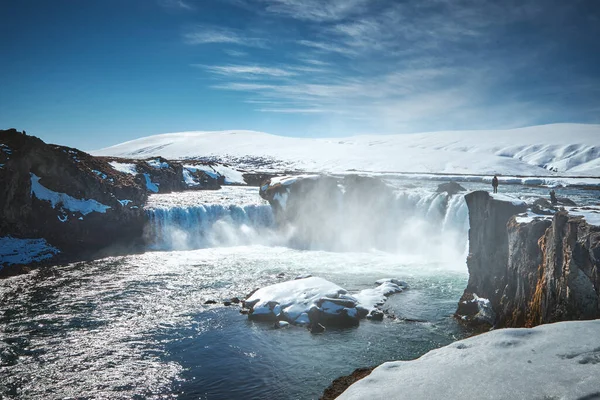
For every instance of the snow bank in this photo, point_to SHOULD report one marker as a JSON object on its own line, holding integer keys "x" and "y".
{"x": 24, "y": 251}
{"x": 316, "y": 300}
{"x": 64, "y": 200}
{"x": 554, "y": 361}
{"x": 547, "y": 150}
{"x": 124, "y": 167}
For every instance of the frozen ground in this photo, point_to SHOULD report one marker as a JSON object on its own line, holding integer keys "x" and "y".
{"x": 547, "y": 150}
{"x": 555, "y": 361}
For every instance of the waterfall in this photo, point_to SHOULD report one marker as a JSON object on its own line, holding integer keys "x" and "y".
{"x": 193, "y": 220}
{"x": 415, "y": 222}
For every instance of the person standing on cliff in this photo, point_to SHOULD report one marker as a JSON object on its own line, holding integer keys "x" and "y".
{"x": 495, "y": 184}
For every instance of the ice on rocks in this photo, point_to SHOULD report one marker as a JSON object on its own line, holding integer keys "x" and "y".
{"x": 314, "y": 300}
{"x": 553, "y": 361}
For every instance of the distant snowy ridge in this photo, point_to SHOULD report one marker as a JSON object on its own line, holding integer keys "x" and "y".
{"x": 545, "y": 150}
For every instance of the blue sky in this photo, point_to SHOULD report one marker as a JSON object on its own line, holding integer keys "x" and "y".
{"x": 94, "y": 73}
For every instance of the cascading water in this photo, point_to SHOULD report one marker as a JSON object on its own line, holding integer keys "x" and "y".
{"x": 195, "y": 220}
{"x": 420, "y": 223}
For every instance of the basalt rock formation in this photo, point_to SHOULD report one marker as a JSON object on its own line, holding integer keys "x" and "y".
{"x": 527, "y": 272}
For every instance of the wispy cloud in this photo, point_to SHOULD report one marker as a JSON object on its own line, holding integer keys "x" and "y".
{"x": 235, "y": 53}
{"x": 316, "y": 10}
{"x": 176, "y": 4}
{"x": 214, "y": 34}
{"x": 251, "y": 70}
{"x": 331, "y": 47}
{"x": 298, "y": 110}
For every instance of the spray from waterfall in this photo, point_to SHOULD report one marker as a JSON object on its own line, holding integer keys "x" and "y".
{"x": 429, "y": 227}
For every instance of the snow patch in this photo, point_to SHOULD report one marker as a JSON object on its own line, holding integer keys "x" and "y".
{"x": 507, "y": 198}
{"x": 67, "y": 202}
{"x": 288, "y": 180}
{"x": 125, "y": 168}
{"x": 232, "y": 176}
{"x": 156, "y": 163}
{"x": 151, "y": 186}
{"x": 188, "y": 178}
{"x": 530, "y": 216}
{"x": 590, "y": 214}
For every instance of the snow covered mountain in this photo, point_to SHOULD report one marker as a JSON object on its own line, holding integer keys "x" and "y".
{"x": 557, "y": 149}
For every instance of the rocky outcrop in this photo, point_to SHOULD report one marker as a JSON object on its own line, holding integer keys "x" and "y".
{"x": 77, "y": 202}
{"x": 528, "y": 271}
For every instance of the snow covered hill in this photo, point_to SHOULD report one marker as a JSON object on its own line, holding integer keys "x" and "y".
{"x": 546, "y": 150}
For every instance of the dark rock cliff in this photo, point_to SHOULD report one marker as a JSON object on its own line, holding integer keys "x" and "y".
{"x": 77, "y": 202}
{"x": 528, "y": 272}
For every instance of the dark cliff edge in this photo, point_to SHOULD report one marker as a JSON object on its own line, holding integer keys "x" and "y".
{"x": 525, "y": 272}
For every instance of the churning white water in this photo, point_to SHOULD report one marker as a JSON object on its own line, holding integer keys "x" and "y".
{"x": 420, "y": 223}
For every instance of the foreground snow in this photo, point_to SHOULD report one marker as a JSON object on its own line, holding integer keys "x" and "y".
{"x": 555, "y": 361}
{"x": 24, "y": 251}
{"x": 566, "y": 149}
